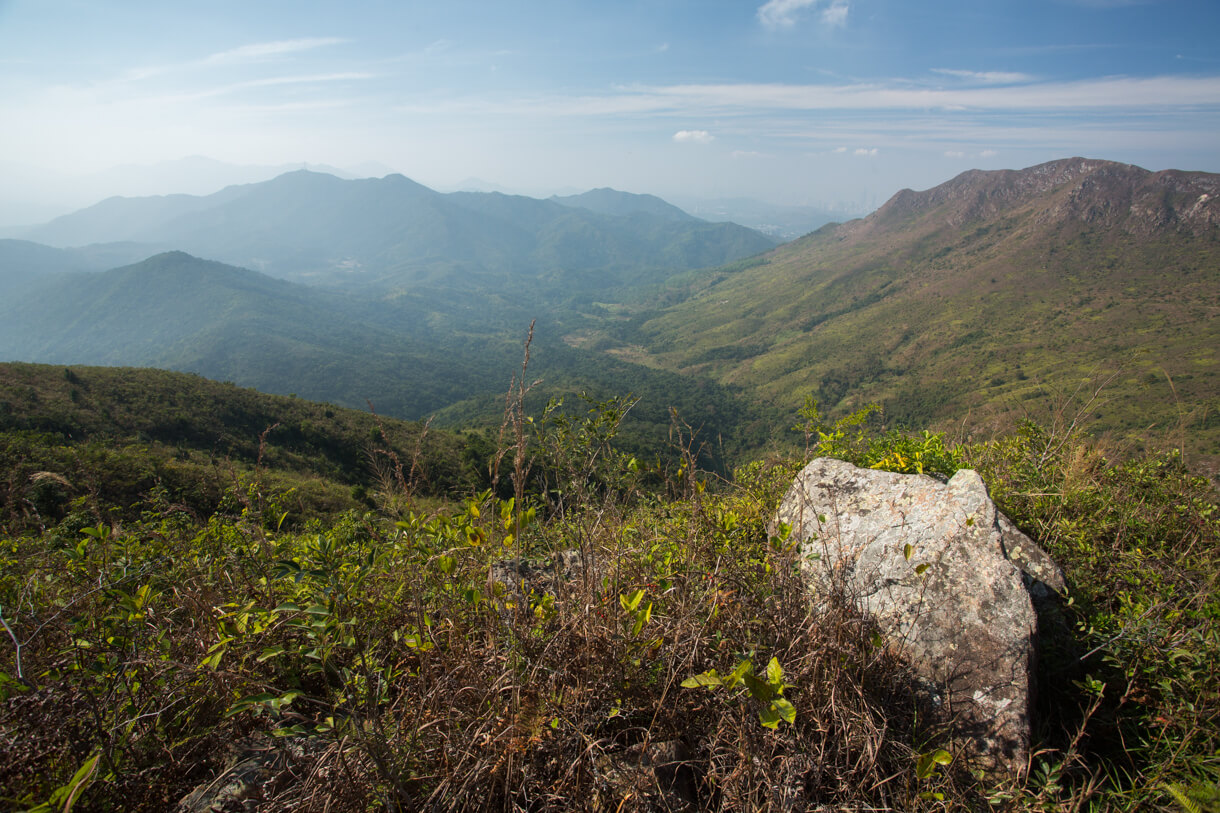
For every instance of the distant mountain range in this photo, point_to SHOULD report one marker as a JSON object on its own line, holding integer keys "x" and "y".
{"x": 624, "y": 204}
{"x": 392, "y": 232}
{"x": 991, "y": 295}
{"x": 783, "y": 222}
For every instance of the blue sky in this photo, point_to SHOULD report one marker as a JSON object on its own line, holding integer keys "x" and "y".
{"x": 788, "y": 101}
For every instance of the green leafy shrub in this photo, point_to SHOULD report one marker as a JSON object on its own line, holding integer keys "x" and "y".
{"x": 491, "y": 651}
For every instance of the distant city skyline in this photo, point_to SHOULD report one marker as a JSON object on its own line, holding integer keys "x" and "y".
{"x": 810, "y": 102}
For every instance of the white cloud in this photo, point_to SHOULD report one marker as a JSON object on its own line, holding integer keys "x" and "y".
{"x": 1118, "y": 93}
{"x": 263, "y": 50}
{"x": 835, "y": 13}
{"x": 865, "y": 152}
{"x": 987, "y": 77}
{"x": 783, "y": 13}
{"x": 249, "y": 84}
{"x": 988, "y": 154}
{"x": 438, "y": 47}
{"x": 693, "y": 137}
{"x": 954, "y": 154}
{"x": 839, "y": 149}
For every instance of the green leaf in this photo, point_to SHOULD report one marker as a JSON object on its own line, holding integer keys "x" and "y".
{"x": 271, "y": 652}
{"x": 69, "y": 793}
{"x": 708, "y": 678}
{"x": 775, "y": 673}
{"x": 641, "y": 618}
{"x": 285, "y": 699}
{"x": 287, "y": 607}
{"x": 632, "y": 600}
{"x": 742, "y": 669}
{"x": 922, "y": 569}
{"x": 908, "y": 550}
{"x": 759, "y": 689}
{"x": 927, "y": 762}
{"x": 786, "y": 710}
{"x": 769, "y": 717}
{"x": 317, "y": 609}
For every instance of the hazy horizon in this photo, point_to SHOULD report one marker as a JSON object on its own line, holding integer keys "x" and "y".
{"x": 828, "y": 103}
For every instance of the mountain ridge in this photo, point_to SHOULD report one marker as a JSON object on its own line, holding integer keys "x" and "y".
{"x": 392, "y": 231}
{"x": 1092, "y": 191}
{"x": 978, "y": 294}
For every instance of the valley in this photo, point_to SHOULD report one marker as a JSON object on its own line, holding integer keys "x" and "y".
{"x": 287, "y": 494}
{"x": 992, "y": 297}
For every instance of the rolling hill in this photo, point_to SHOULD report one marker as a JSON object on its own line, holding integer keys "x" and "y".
{"x": 410, "y": 360}
{"x": 176, "y": 311}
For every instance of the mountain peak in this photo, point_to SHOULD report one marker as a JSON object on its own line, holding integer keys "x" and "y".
{"x": 1106, "y": 194}
{"x": 607, "y": 201}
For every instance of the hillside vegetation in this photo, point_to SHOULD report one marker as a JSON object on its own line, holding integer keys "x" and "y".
{"x": 990, "y": 294}
{"x": 81, "y": 439}
{"x": 970, "y": 305}
{"x": 413, "y": 653}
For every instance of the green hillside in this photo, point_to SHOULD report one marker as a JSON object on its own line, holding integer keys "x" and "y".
{"x": 974, "y": 300}
{"x": 409, "y": 357}
{"x": 109, "y": 435}
{"x": 179, "y": 312}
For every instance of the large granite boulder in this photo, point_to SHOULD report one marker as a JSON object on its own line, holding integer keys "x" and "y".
{"x": 948, "y": 579}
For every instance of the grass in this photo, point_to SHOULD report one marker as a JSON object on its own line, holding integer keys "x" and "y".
{"x": 526, "y": 648}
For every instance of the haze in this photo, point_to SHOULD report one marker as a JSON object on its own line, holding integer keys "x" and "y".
{"x": 828, "y": 103}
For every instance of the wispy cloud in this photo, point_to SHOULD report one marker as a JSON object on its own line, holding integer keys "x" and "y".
{"x": 835, "y": 13}
{"x": 249, "y": 84}
{"x": 1104, "y": 4}
{"x": 693, "y": 137}
{"x": 266, "y": 50}
{"x": 987, "y": 77}
{"x": 242, "y": 55}
{"x": 867, "y": 152}
{"x": 964, "y": 154}
{"x": 438, "y": 47}
{"x": 1116, "y": 95}
{"x": 784, "y": 13}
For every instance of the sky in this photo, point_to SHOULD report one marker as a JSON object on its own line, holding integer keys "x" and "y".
{"x": 836, "y": 103}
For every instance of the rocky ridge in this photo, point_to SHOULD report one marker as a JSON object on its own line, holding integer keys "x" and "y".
{"x": 1101, "y": 193}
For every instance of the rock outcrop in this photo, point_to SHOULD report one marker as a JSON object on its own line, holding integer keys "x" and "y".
{"x": 948, "y": 579}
